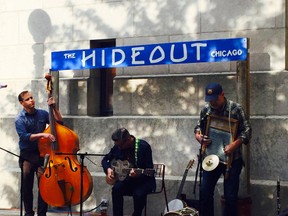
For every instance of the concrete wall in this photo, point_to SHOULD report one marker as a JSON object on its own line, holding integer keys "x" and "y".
{"x": 160, "y": 104}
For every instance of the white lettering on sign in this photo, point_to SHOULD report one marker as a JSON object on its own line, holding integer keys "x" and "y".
{"x": 135, "y": 53}
{"x": 162, "y": 55}
{"x": 84, "y": 58}
{"x": 226, "y": 53}
{"x": 103, "y": 58}
{"x": 198, "y": 46}
{"x": 69, "y": 55}
{"x": 184, "y": 53}
{"x": 121, "y": 52}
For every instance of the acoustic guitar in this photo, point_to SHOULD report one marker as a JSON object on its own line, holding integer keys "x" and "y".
{"x": 179, "y": 203}
{"x": 122, "y": 169}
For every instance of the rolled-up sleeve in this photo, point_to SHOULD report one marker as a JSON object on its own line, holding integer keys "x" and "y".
{"x": 245, "y": 130}
{"x": 245, "y": 134}
{"x": 24, "y": 136}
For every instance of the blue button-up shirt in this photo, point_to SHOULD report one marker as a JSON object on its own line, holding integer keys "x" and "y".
{"x": 27, "y": 124}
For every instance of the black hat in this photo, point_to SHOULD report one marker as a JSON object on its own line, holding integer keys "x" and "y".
{"x": 120, "y": 134}
{"x": 212, "y": 91}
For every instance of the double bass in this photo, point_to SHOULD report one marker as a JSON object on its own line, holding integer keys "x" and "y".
{"x": 62, "y": 183}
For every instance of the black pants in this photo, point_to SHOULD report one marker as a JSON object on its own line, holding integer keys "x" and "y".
{"x": 29, "y": 163}
{"x": 137, "y": 188}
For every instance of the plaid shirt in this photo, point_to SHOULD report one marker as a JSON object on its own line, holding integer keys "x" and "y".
{"x": 236, "y": 112}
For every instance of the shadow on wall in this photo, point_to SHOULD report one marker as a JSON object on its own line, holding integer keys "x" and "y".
{"x": 39, "y": 25}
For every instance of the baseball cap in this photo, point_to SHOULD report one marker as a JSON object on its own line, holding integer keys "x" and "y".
{"x": 212, "y": 91}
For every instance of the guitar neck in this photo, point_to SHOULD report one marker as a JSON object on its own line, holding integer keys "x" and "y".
{"x": 182, "y": 185}
{"x": 190, "y": 164}
{"x": 139, "y": 171}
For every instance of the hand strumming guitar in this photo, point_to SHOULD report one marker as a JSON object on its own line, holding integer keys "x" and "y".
{"x": 110, "y": 174}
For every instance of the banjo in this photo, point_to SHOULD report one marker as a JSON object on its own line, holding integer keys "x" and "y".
{"x": 178, "y": 203}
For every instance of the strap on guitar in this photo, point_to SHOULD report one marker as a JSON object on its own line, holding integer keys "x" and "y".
{"x": 136, "y": 150}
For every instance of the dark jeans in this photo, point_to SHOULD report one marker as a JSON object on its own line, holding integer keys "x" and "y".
{"x": 137, "y": 188}
{"x": 284, "y": 212}
{"x": 29, "y": 169}
{"x": 231, "y": 188}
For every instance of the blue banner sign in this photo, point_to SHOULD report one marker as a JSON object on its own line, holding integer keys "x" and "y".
{"x": 220, "y": 50}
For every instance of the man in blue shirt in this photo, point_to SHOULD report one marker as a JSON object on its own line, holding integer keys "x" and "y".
{"x": 139, "y": 155}
{"x": 30, "y": 124}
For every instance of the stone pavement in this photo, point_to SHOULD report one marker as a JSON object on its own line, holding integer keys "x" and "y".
{"x": 12, "y": 212}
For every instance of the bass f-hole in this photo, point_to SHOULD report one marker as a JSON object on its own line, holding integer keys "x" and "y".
{"x": 70, "y": 164}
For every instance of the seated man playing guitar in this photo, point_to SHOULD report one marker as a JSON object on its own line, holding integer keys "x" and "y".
{"x": 127, "y": 167}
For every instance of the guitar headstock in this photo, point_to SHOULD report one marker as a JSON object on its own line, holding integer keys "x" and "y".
{"x": 190, "y": 164}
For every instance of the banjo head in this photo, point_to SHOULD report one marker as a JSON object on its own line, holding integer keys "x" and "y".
{"x": 187, "y": 211}
{"x": 174, "y": 205}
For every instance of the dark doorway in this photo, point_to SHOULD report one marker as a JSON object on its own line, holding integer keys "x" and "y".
{"x": 100, "y": 84}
